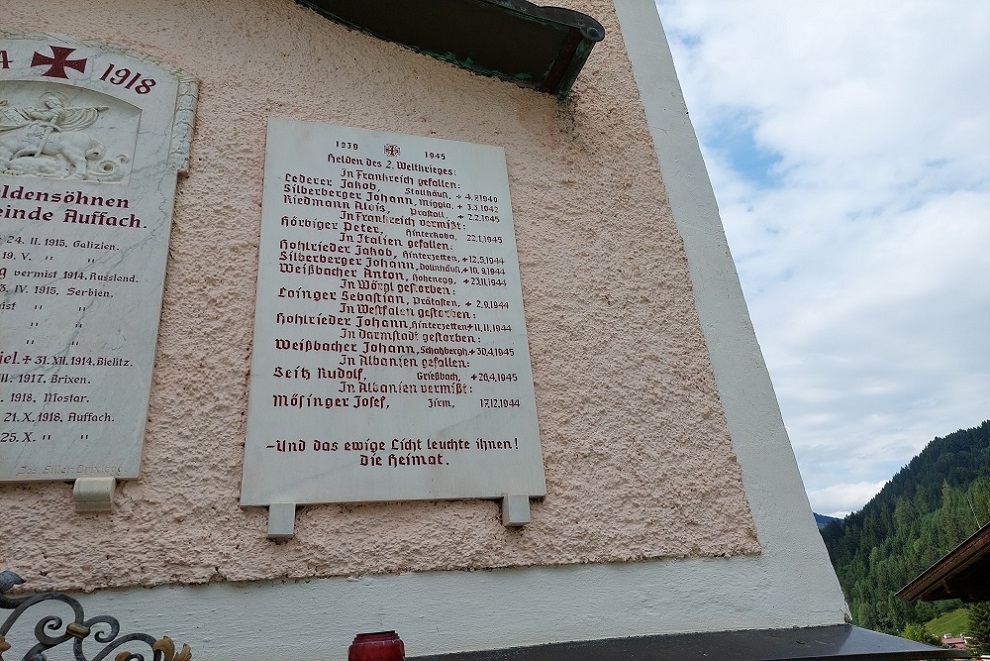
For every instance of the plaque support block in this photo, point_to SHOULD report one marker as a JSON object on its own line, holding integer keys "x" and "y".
{"x": 94, "y": 494}
{"x": 515, "y": 510}
{"x": 281, "y": 520}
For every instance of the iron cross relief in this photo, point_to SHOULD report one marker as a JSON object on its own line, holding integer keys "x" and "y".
{"x": 58, "y": 62}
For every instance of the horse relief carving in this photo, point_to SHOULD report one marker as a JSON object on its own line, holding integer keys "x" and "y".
{"x": 51, "y": 139}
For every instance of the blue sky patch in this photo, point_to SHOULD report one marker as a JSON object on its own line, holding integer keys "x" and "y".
{"x": 732, "y": 138}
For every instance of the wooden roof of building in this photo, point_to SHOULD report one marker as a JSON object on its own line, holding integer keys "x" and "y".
{"x": 962, "y": 574}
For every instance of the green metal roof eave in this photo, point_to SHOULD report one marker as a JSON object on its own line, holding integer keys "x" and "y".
{"x": 540, "y": 47}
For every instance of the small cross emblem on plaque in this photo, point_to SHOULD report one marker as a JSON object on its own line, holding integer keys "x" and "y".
{"x": 391, "y": 150}
{"x": 58, "y": 62}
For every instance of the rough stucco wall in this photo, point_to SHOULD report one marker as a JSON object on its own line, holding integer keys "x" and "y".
{"x": 638, "y": 459}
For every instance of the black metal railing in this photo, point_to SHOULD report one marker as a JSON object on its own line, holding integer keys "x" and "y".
{"x": 98, "y": 635}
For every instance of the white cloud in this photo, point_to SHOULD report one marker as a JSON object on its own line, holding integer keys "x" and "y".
{"x": 841, "y": 499}
{"x": 863, "y": 253}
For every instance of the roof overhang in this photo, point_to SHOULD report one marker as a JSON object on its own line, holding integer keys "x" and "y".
{"x": 540, "y": 47}
{"x": 962, "y": 574}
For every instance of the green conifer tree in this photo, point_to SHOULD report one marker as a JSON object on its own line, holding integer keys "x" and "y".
{"x": 979, "y": 627}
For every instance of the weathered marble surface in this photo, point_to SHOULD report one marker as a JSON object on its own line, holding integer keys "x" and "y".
{"x": 390, "y": 358}
{"x": 91, "y": 140}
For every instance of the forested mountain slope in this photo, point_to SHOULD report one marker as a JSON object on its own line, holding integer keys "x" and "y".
{"x": 934, "y": 503}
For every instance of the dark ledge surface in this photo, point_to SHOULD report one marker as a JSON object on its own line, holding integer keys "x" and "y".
{"x": 829, "y": 642}
{"x": 540, "y": 47}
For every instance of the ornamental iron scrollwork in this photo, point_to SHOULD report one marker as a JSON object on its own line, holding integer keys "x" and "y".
{"x": 50, "y": 632}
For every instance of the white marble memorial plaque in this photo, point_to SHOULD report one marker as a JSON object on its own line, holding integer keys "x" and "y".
{"x": 390, "y": 353}
{"x": 91, "y": 140}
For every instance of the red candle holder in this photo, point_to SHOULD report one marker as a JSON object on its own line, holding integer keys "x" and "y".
{"x": 378, "y": 646}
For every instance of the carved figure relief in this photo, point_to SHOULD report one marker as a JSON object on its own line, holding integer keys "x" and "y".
{"x": 50, "y": 139}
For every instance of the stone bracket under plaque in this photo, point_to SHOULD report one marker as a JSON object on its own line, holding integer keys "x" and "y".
{"x": 515, "y": 510}
{"x": 282, "y": 516}
{"x": 281, "y": 520}
{"x": 94, "y": 494}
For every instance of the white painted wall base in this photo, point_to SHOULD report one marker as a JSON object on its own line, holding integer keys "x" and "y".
{"x": 438, "y": 612}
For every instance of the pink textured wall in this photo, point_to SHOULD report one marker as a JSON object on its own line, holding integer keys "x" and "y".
{"x": 638, "y": 459}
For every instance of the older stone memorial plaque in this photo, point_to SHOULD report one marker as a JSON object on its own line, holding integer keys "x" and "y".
{"x": 91, "y": 140}
{"x": 390, "y": 352}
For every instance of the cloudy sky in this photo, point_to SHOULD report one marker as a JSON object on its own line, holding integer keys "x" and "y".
{"x": 849, "y": 147}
